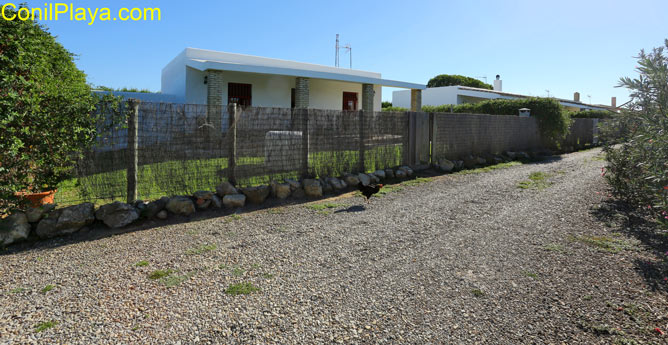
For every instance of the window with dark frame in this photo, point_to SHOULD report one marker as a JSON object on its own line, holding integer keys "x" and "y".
{"x": 240, "y": 94}
{"x": 293, "y": 101}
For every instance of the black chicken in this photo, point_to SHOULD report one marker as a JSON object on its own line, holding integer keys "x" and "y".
{"x": 369, "y": 190}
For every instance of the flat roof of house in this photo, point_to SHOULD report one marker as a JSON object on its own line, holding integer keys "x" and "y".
{"x": 561, "y": 100}
{"x": 202, "y": 60}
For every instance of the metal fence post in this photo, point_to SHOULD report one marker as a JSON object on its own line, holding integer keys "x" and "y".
{"x": 234, "y": 113}
{"x": 362, "y": 146}
{"x": 133, "y": 147}
{"x": 304, "y": 116}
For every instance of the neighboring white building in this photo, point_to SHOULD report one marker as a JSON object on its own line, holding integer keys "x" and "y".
{"x": 198, "y": 76}
{"x": 463, "y": 94}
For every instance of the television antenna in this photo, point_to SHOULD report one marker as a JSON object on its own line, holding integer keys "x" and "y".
{"x": 483, "y": 77}
{"x": 548, "y": 93}
{"x": 349, "y": 50}
{"x": 589, "y": 96}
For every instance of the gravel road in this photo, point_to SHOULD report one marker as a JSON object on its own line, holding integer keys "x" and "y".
{"x": 464, "y": 258}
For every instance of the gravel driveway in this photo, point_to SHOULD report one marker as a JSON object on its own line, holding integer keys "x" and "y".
{"x": 461, "y": 259}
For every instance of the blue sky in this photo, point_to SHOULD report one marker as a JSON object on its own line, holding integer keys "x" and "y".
{"x": 561, "y": 46}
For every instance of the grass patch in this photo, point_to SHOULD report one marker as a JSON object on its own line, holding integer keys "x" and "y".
{"x": 489, "y": 168}
{"x": 171, "y": 178}
{"x": 477, "y": 293}
{"x": 276, "y": 210}
{"x": 387, "y": 190}
{"x": 174, "y": 280}
{"x": 537, "y": 180}
{"x": 321, "y": 207}
{"x": 201, "y": 249}
{"x": 531, "y": 275}
{"x": 238, "y": 272}
{"x": 587, "y": 298}
{"x": 47, "y": 288}
{"x": 17, "y": 290}
{"x": 417, "y": 181}
{"x": 158, "y": 274}
{"x": 553, "y": 247}
{"x": 604, "y": 243}
{"x": 267, "y": 276}
{"x": 241, "y": 289}
{"x": 142, "y": 263}
{"x": 235, "y": 216}
{"x": 43, "y": 326}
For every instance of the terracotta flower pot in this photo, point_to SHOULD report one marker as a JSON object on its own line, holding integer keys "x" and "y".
{"x": 38, "y": 199}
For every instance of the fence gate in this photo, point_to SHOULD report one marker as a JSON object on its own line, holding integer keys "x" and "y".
{"x": 418, "y": 139}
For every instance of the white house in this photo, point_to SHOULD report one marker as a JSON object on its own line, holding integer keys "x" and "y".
{"x": 463, "y": 94}
{"x": 198, "y": 76}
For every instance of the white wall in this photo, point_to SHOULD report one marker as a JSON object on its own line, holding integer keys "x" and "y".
{"x": 173, "y": 79}
{"x": 195, "y": 92}
{"x": 275, "y": 91}
{"x": 402, "y": 98}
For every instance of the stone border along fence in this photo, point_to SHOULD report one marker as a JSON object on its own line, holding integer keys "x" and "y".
{"x": 450, "y": 142}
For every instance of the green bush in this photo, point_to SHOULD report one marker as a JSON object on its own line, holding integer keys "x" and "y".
{"x": 454, "y": 79}
{"x": 636, "y": 141}
{"x": 394, "y": 109}
{"x": 553, "y": 120}
{"x": 46, "y": 110}
{"x": 591, "y": 114}
{"x": 386, "y": 104}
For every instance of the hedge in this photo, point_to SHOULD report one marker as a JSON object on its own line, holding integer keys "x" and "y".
{"x": 591, "y": 114}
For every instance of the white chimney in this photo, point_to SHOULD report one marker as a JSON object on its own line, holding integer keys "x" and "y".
{"x": 498, "y": 84}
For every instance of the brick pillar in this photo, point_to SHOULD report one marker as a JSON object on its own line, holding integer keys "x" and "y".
{"x": 416, "y": 100}
{"x": 214, "y": 99}
{"x": 301, "y": 93}
{"x": 367, "y": 97}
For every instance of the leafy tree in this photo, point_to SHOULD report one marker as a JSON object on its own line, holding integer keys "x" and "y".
{"x": 386, "y": 104}
{"x": 46, "y": 109}
{"x": 454, "y": 79}
{"x": 637, "y": 141}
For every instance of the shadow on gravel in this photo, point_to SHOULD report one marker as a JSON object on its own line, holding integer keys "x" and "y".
{"x": 356, "y": 208}
{"x": 625, "y": 219}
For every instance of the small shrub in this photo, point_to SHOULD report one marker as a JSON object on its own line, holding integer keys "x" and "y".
{"x": 47, "y": 288}
{"x": 477, "y": 293}
{"x": 241, "y": 289}
{"x": 636, "y": 142}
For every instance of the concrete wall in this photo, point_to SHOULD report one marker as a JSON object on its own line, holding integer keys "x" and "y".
{"x": 173, "y": 78}
{"x": 458, "y": 135}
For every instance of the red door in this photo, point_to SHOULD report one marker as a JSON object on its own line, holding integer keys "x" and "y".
{"x": 350, "y": 101}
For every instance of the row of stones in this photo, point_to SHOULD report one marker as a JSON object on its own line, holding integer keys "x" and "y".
{"x": 47, "y": 221}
